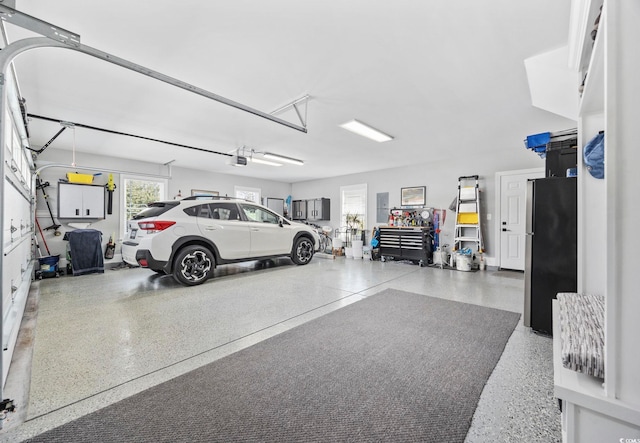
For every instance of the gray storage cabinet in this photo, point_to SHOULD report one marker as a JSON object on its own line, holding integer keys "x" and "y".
{"x": 275, "y": 204}
{"x": 319, "y": 209}
{"x": 299, "y": 210}
{"x": 80, "y": 201}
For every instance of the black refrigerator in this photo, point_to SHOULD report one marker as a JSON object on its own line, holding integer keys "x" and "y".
{"x": 551, "y": 261}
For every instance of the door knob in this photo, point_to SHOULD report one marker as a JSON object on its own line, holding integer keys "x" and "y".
{"x": 506, "y": 230}
{"x": 504, "y": 223}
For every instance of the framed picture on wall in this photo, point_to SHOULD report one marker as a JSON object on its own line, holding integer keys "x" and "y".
{"x": 414, "y": 196}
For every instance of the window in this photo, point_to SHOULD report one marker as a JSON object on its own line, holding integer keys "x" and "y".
{"x": 198, "y": 211}
{"x": 216, "y": 211}
{"x": 250, "y": 194}
{"x": 154, "y": 210}
{"x": 353, "y": 205}
{"x": 138, "y": 193}
{"x": 254, "y": 213}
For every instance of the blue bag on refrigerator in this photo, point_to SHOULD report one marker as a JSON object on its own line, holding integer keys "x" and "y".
{"x": 594, "y": 156}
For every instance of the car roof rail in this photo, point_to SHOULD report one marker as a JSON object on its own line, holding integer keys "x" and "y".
{"x": 210, "y": 197}
{"x": 217, "y": 197}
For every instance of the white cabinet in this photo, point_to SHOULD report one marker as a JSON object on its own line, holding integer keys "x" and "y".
{"x": 595, "y": 411}
{"x": 80, "y": 201}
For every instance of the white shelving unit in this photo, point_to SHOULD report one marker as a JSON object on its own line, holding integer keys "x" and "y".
{"x": 593, "y": 410}
{"x": 588, "y": 415}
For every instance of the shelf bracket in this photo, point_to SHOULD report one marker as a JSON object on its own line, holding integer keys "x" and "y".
{"x": 295, "y": 105}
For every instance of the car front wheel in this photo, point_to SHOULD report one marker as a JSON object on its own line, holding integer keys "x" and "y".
{"x": 302, "y": 251}
{"x": 193, "y": 265}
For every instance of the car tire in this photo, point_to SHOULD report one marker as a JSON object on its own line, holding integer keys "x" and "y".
{"x": 302, "y": 252}
{"x": 193, "y": 265}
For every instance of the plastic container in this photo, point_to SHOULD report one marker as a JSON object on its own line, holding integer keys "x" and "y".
{"x": 463, "y": 262}
{"x": 76, "y": 177}
{"x": 357, "y": 248}
{"x": 440, "y": 257}
{"x": 49, "y": 264}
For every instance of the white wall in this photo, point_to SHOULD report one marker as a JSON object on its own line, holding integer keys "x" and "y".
{"x": 440, "y": 178}
{"x": 183, "y": 180}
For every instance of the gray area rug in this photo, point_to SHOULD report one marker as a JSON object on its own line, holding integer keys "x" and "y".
{"x": 395, "y": 366}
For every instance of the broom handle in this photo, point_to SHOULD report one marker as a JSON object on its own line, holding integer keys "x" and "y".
{"x": 43, "y": 239}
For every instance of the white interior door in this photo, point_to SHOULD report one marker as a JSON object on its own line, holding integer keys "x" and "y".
{"x": 513, "y": 197}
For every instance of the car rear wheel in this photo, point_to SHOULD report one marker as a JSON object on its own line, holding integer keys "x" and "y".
{"x": 193, "y": 265}
{"x": 302, "y": 251}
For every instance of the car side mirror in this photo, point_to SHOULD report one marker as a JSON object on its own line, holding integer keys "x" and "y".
{"x": 280, "y": 222}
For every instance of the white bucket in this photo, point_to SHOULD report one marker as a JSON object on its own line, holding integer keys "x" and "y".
{"x": 463, "y": 262}
{"x": 348, "y": 252}
{"x": 357, "y": 248}
{"x": 440, "y": 257}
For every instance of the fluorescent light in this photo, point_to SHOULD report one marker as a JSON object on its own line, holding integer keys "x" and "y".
{"x": 282, "y": 158}
{"x": 366, "y": 131}
{"x": 262, "y": 162}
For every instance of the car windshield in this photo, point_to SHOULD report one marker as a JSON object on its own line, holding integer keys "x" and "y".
{"x": 155, "y": 209}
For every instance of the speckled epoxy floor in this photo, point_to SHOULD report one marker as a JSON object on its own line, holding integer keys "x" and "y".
{"x": 103, "y": 337}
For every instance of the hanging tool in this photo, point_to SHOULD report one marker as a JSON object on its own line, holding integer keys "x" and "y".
{"x": 111, "y": 186}
{"x": 42, "y": 186}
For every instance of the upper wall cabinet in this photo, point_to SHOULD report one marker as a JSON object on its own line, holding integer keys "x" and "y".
{"x": 319, "y": 209}
{"x": 80, "y": 201}
{"x": 299, "y": 210}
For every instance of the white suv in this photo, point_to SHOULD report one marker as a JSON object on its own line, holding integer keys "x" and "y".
{"x": 188, "y": 238}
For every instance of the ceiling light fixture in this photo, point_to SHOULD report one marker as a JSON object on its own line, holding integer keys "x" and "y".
{"x": 360, "y": 128}
{"x": 282, "y": 158}
{"x": 262, "y": 162}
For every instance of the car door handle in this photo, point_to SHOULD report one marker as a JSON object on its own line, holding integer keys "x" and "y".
{"x": 255, "y": 229}
{"x": 210, "y": 228}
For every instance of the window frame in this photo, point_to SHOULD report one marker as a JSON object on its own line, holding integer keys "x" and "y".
{"x": 124, "y": 178}
{"x": 363, "y": 190}
{"x": 244, "y": 189}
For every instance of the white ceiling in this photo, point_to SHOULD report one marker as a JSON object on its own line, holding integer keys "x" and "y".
{"x": 445, "y": 78}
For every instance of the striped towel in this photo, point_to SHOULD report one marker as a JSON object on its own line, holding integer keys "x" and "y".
{"x": 582, "y": 332}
